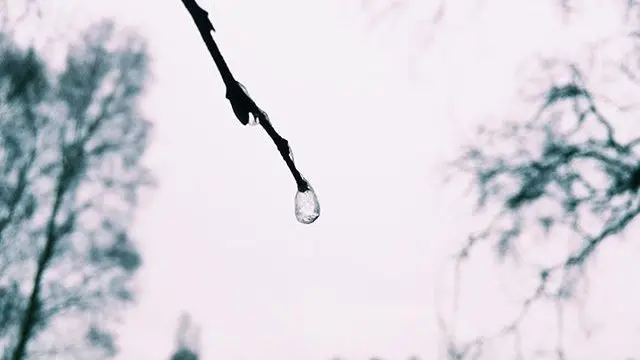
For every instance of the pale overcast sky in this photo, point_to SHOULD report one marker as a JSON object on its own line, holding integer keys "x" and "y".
{"x": 370, "y": 113}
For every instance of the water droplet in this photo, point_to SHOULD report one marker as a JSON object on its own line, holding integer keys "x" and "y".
{"x": 307, "y": 206}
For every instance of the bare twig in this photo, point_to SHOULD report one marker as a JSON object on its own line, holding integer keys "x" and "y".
{"x": 242, "y": 104}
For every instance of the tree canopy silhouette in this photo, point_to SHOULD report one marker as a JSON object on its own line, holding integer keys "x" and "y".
{"x": 71, "y": 171}
{"x": 565, "y": 178}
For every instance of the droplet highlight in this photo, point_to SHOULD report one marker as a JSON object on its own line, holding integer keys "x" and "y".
{"x": 253, "y": 120}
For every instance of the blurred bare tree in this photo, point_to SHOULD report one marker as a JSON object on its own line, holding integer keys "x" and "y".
{"x": 187, "y": 340}
{"x": 71, "y": 172}
{"x": 563, "y": 181}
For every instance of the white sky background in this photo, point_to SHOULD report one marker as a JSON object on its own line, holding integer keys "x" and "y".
{"x": 370, "y": 113}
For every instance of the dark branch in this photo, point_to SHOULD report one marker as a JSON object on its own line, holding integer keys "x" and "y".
{"x": 242, "y": 104}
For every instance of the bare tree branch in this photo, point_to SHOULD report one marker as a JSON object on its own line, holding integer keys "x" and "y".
{"x": 242, "y": 104}
{"x": 569, "y": 168}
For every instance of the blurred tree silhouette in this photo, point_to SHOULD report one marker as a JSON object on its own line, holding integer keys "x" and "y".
{"x": 187, "y": 340}
{"x": 570, "y": 175}
{"x": 70, "y": 176}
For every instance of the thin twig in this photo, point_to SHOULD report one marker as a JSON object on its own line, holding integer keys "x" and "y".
{"x": 242, "y": 104}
